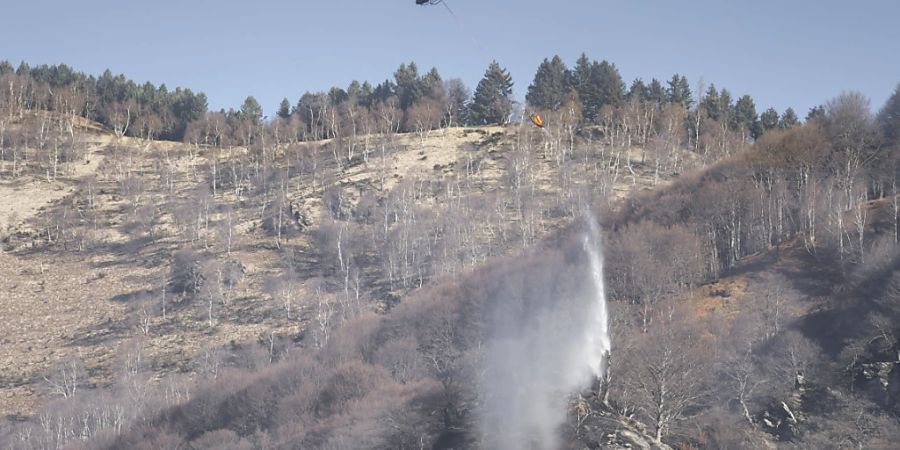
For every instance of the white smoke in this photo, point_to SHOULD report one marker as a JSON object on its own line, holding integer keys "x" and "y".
{"x": 550, "y": 339}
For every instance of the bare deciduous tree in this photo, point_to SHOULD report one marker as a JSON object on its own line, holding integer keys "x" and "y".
{"x": 66, "y": 377}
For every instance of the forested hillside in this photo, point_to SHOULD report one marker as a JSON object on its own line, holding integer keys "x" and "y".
{"x": 338, "y": 274}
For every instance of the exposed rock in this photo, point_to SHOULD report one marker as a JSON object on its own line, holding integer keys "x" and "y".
{"x": 878, "y": 371}
{"x": 299, "y": 217}
{"x": 599, "y": 426}
{"x": 790, "y": 414}
{"x": 882, "y": 380}
{"x": 893, "y": 389}
{"x": 782, "y": 418}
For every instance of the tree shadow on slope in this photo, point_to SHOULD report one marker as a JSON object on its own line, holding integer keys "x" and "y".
{"x": 98, "y": 334}
{"x": 865, "y": 293}
{"x": 820, "y": 284}
{"x": 139, "y": 251}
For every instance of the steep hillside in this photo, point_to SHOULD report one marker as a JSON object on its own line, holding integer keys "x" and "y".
{"x": 149, "y": 256}
{"x": 403, "y": 289}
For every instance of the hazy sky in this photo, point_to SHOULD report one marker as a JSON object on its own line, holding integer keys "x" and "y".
{"x": 782, "y": 52}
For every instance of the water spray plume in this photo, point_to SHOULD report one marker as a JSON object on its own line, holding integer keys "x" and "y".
{"x": 549, "y": 340}
{"x": 597, "y": 340}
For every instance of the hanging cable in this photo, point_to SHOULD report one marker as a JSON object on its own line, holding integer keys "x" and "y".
{"x": 455, "y": 17}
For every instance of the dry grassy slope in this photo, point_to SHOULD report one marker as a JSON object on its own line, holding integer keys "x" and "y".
{"x": 22, "y": 199}
{"x": 41, "y": 296}
{"x": 58, "y": 304}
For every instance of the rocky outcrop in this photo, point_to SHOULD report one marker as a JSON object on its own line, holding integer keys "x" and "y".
{"x": 782, "y": 418}
{"x": 782, "y": 421}
{"x": 299, "y": 216}
{"x": 893, "y": 388}
{"x": 882, "y": 381}
{"x": 596, "y": 425}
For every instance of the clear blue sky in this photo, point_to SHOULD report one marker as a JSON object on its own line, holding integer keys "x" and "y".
{"x": 784, "y": 53}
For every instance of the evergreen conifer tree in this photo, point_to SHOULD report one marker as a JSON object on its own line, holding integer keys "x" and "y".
{"x": 432, "y": 85}
{"x": 889, "y": 119}
{"x": 408, "y": 84}
{"x": 597, "y": 84}
{"x": 354, "y": 90}
{"x": 492, "y": 103}
{"x": 710, "y": 103}
{"x": 815, "y": 113}
{"x": 250, "y": 110}
{"x": 638, "y": 91}
{"x": 744, "y": 117}
{"x": 789, "y": 119}
{"x": 284, "y": 109}
{"x": 551, "y": 85}
{"x": 656, "y": 93}
{"x": 768, "y": 120}
{"x": 584, "y": 86}
{"x": 610, "y": 86}
{"x": 726, "y": 108}
{"x": 336, "y": 96}
{"x": 679, "y": 91}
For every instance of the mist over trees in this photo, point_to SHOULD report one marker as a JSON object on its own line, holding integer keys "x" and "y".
{"x": 395, "y": 285}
